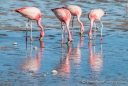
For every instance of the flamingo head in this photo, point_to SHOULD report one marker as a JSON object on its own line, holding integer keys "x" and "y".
{"x": 81, "y": 32}
{"x": 69, "y": 41}
{"x": 41, "y": 35}
{"x": 40, "y": 39}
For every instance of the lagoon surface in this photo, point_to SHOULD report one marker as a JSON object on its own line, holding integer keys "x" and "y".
{"x": 83, "y": 63}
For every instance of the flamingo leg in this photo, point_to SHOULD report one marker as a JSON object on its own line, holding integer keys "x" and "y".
{"x": 72, "y": 24}
{"x": 31, "y": 31}
{"x": 101, "y": 29}
{"x": 94, "y": 30}
{"x": 27, "y": 29}
{"x": 62, "y": 34}
{"x": 64, "y": 31}
{"x": 72, "y": 20}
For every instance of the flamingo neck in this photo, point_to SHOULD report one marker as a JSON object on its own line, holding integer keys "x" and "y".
{"x": 81, "y": 24}
{"x": 69, "y": 34}
{"x": 41, "y": 28}
{"x": 90, "y": 30}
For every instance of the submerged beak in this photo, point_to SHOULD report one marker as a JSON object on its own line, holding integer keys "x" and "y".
{"x": 90, "y": 38}
{"x": 69, "y": 42}
{"x": 81, "y": 32}
{"x": 40, "y": 39}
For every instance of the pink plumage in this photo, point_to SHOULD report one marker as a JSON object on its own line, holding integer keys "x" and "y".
{"x": 32, "y": 13}
{"x": 76, "y": 11}
{"x": 94, "y": 15}
{"x": 64, "y": 16}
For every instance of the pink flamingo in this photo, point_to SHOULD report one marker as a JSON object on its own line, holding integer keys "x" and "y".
{"x": 76, "y": 11}
{"x": 32, "y": 13}
{"x": 94, "y": 15}
{"x": 64, "y": 16}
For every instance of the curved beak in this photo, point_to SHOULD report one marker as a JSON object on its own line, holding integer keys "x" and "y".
{"x": 68, "y": 43}
{"x": 81, "y": 32}
{"x": 90, "y": 38}
{"x": 40, "y": 38}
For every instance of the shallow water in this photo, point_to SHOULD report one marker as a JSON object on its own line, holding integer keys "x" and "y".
{"x": 83, "y": 63}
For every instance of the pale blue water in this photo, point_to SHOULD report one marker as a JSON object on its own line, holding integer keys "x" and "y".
{"x": 21, "y": 65}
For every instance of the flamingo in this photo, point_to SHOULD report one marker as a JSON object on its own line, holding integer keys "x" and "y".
{"x": 32, "y": 13}
{"x": 76, "y": 11}
{"x": 94, "y": 15}
{"x": 64, "y": 16}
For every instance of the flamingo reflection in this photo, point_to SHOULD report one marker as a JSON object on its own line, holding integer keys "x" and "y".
{"x": 95, "y": 58}
{"x": 76, "y": 53}
{"x": 64, "y": 67}
{"x": 73, "y": 56}
{"x": 32, "y": 63}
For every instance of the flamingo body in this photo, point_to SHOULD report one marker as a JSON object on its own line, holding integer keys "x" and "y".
{"x": 94, "y": 15}
{"x": 76, "y": 11}
{"x": 64, "y": 16}
{"x": 32, "y": 13}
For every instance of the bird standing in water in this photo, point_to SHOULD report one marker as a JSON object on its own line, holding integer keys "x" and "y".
{"x": 64, "y": 16}
{"x": 32, "y": 13}
{"x": 94, "y": 15}
{"x": 76, "y": 11}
